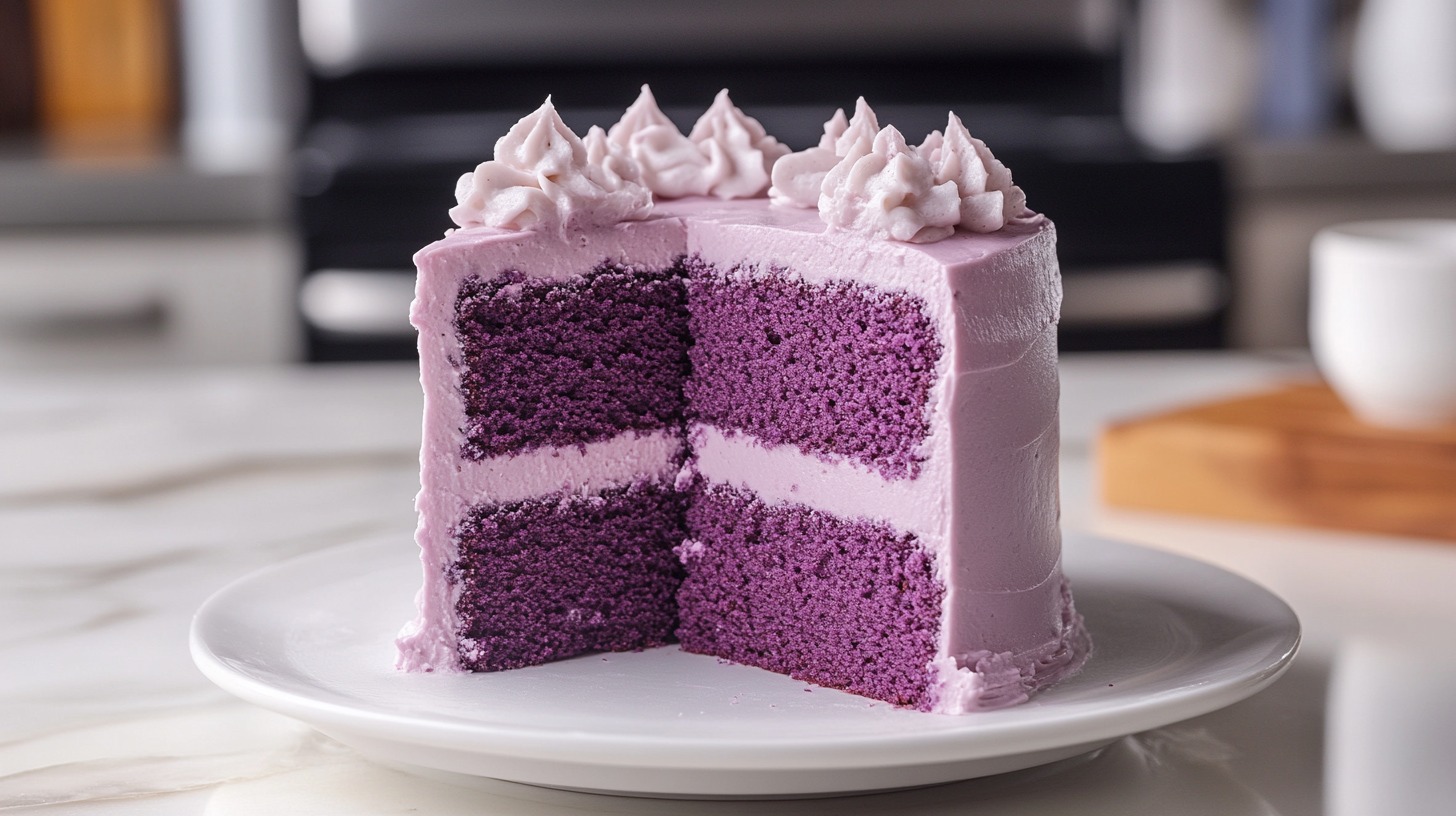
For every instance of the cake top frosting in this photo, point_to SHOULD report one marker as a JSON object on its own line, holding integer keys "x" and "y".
{"x": 861, "y": 177}
{"x": 866, "y": 178}
{"x": 885, "y": 189}
{"x": 672, "y": 165}
{"x": 728, "y": 154}
{"x": 544, "y": 177}
{"x": 989, "y": 201}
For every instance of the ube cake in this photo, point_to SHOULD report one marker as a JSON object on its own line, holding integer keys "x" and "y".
{"x": 793, "y": 410}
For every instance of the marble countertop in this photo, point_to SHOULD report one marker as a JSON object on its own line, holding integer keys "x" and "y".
{"x": 126, "y": 499}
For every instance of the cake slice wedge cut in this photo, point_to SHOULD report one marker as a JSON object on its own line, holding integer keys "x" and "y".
{"x": 820, "y": 441}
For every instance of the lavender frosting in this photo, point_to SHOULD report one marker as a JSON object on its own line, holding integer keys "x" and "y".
{"x": 672, "y": 165}
{"x": 1007, "y": 627}
{"x": 740, "y": 152}
{"x": 728, "y": 154}
{"x": 544, "y": 177}
{"x": 988, "y": 199}
{"x": 885, "y": 189}
{"x": 798, "y": 178}
{"x": 861, "y": 177}
{"x": 868, "y": 179}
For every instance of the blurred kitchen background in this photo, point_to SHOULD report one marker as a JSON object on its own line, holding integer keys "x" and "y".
{"x": 244, "y": 181}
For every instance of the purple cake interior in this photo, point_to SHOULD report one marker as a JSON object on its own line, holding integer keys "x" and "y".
{"x": 842, "y": 603}
{"x": 599, "y": 574}
{"x": 547, "y": 363}
{"x": 836, "y": 369}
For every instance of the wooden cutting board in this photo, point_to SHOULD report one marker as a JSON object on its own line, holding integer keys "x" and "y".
{"x": 1294, "y": 455}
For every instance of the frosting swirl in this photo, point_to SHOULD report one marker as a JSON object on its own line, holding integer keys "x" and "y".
{"x": 728, "y": 153}
{"x": 989, "y": 201}
{"x": 798, "y": 177}
{"x": 862, "y": 129}
{"x": 929, "y": 148}
{"x": 544, "y": 177}
{"x": 739, "y": 151}
{"x": 887, "y": 190}
{"x": 672, "y": 165}
{"x": 835, "y": 127}
{"x": 864, "y": 178}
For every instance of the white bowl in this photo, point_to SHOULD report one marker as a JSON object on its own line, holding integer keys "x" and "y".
{"x": 1383, "y": 319}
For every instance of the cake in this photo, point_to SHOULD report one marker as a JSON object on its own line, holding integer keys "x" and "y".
{"x": 792, "y": 410}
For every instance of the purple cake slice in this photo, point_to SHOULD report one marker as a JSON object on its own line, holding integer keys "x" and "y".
{"x": 819, "y": 442}
{"x": 553, "y": 378}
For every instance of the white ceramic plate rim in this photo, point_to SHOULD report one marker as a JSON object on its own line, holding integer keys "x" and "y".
{"x": 1039, "y": 725}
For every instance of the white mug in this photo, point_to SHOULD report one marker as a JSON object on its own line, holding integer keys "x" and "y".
{"x": 1383, "y": 319}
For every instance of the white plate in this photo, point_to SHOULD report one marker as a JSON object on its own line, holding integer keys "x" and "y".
{"x": 313, "y": 638}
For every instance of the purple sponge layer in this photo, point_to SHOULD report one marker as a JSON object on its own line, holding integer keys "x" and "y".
{"x": 842, "y": 603}
{"x": 835, "y": 368}
{"x": 550, "y": 578}
{"x": 550, "y": 363}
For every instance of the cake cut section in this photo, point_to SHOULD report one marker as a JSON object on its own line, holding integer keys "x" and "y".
{"x": 846, "y": 603}
{"x": 979, "y": 500}
{"x": 599, "y": 575}
{"x": 838, "y": 368}
{"x": 551, "y": 448}
{"x": 772, "y": 437}
{"x": 550, "y": 363}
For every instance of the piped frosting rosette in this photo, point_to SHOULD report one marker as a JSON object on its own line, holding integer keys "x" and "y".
{"x": 728, "y": 154}
{"x": 885, "y": 190}
{"x": 861, "y": 177}
{"x": 989, "y": 201}
{"x": 866, "y": 178}
{"x": 544, "y": 177}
